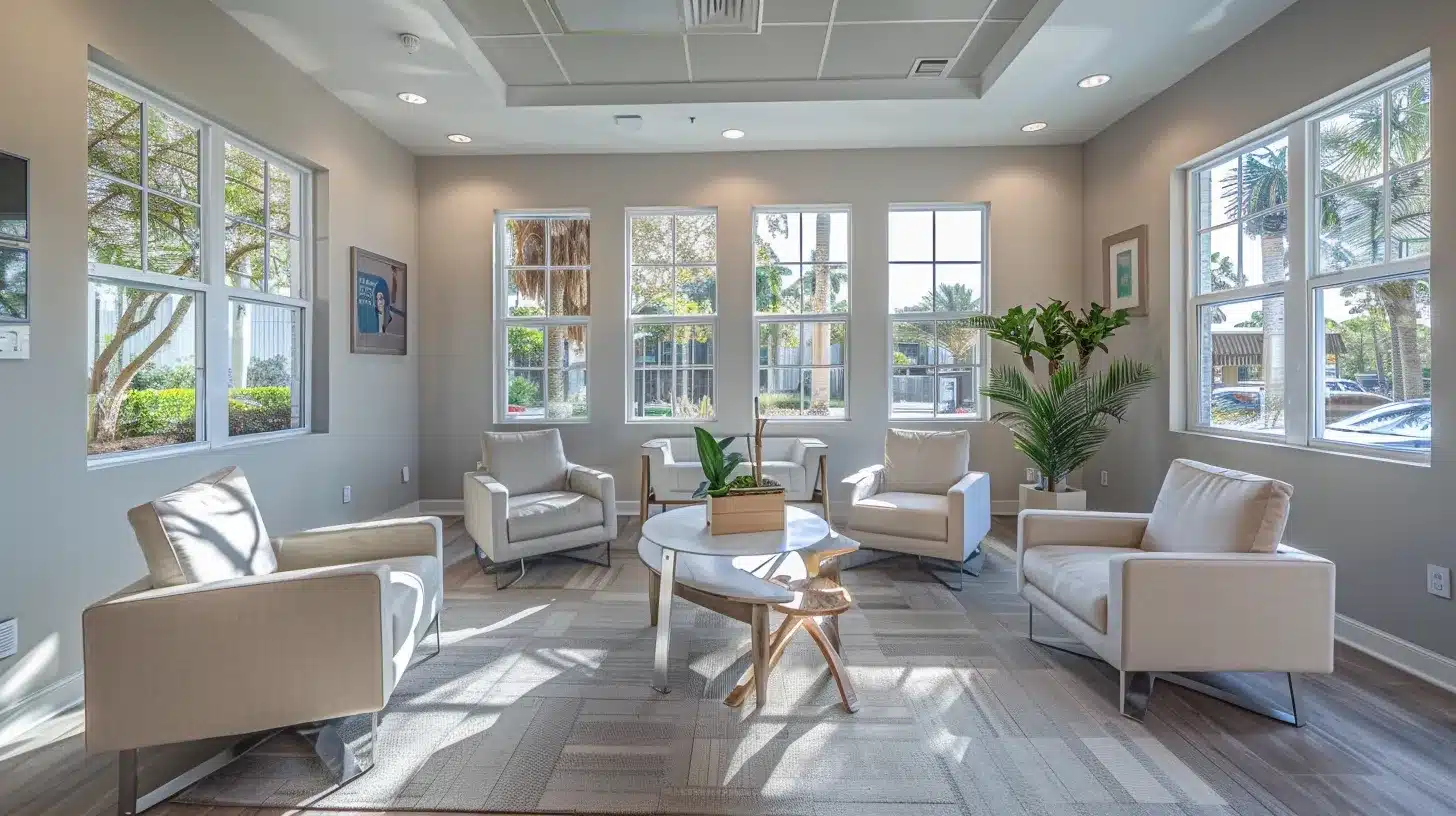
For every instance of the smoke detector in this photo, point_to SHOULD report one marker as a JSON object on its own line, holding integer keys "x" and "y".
{"x": 929, "y": 68}
{"x": 410, "y": 42}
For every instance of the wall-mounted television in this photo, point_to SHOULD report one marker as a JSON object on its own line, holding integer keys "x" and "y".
{"x": 14, "y": 197}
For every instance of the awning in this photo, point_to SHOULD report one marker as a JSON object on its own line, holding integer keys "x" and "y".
{"x": 1246, "y": 348}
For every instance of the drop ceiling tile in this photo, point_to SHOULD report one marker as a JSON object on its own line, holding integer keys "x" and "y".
{"x": 863, "y": 10}
{"x": 1011, "y": 9}
{"x": 545, "y": 17}
{"x": 797, "y": 11}
{"x": 595, "y": 59}
{"x": 889, "y": 50}
{"x": 780, "y": 52}
{"x": 522, "y": 60}
{"x": 983, "y": 48}
{"x": 487, "y": 17}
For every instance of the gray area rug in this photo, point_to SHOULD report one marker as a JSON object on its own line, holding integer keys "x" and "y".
{"x": 540, "y": 702}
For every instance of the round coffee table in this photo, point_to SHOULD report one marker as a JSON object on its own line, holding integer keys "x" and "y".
{"x": 685, "y": 530}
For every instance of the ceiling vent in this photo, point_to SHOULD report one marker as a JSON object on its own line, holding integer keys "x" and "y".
{"x": 929, "y": 68}
{"x": 721, "y": 15}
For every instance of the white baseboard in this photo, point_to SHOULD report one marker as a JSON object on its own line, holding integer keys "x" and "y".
{"x": 1005, "y": 507}
{"x": 57, "y": 698}
{"x": 1434, "y": 668}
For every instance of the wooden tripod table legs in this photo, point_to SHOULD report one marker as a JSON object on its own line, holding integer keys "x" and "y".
{"x": 817, "y": 603}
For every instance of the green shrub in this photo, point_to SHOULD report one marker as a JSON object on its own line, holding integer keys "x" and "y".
{"x": 148, "y": 412}
{"x": 154, "y": 377}
{"x": 259, "y": 410}
{"x": 523, "y": 392}
{"x": 273, "y": 371}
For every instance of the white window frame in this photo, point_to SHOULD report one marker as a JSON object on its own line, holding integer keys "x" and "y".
{"x": 1303, "y": 318}
{"x": 211, "y": 292}
{"x": 545, "y": 322}
{"x": 633, "y": 321}
{"x": 983, "y": 343}
{"x": 802, "y": 317}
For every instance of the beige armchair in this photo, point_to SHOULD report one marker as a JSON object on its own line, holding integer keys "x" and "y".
{"x": 525, "y": 501}
{"x": 923, "y": 501}
{"x": 1201, "y": 584}
{"x": 233, "y": 633}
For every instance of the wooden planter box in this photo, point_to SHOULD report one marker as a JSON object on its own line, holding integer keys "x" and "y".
{"x": 755, "y": 511}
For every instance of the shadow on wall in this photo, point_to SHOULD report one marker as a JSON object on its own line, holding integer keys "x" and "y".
{"x": 27, "y": 673}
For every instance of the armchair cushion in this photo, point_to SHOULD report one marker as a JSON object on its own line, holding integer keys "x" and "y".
{"x": 1202, "y": 508}
{"x": 1077, "y": 576}
{"x": 925, "y": 461}
{"x": 526, "y": 461}
{"x": 909, "y": 515}
{"x": 537, "y": 515}
{"x": 209, "y": 530}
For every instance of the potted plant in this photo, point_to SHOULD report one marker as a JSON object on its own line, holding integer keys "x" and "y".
{"x": 749, "y": 503}
{"x": 1060, "y": 423}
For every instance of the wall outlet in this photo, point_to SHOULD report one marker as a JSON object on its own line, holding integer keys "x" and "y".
{"x": 404, "y": 474}
{"x": 1030, "y": 475}
{"x": 9, "y": 637}
{"x": 1103, "y": 478}
{"x": 14, "y": 342}
{"x": 1438, "y": 581}
{"x": 348, "y": 494}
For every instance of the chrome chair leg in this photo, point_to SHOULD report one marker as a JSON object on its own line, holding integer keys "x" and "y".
{"x": 497, "y": 573}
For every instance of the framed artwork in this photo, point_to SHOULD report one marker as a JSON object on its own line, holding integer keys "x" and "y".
{"x": 381, "y": 304}
{"x": 1125, "y": 271}
{"x": 14, "y": 284}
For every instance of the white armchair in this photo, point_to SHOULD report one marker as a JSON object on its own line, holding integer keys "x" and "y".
{"x": 923, "y": 501}
{"x": 1201, "y": 584}
{"x": 233, "y": 634}
{"x": 671, "y": 471}
{"x": 525, "y": 501}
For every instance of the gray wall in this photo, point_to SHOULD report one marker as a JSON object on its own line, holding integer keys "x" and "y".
{"x": 1035, "y": 238}
{"x": 1381, "y": 522}
{"x": 64, "y": 539}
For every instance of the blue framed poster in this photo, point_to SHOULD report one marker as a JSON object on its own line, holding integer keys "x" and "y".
{"x": 381, "y": 304}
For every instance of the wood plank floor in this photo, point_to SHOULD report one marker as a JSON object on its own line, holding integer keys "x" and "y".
{"x": 1378, "y": 740}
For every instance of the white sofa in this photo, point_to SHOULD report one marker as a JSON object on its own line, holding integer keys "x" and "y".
{"x": 526, "y": 501}
{"x": 1201, "y": 584}
{"x": 671, "y": 472}
{"x": 233, "y": 633}
{"x": 924, "y": 500}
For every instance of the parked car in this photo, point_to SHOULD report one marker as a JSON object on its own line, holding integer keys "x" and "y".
{"x": 1345, "y": 398}
{"x": 1393, "y": 426}
{"x": 1340, "y": 384}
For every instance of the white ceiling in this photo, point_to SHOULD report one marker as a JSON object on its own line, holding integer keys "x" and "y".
{"x": 518, "y": 78}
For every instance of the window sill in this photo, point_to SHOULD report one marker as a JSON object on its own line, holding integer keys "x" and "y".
{"x": 107, "y": 461}
{"x": 670, "y": 421}
{"x": 967, "y": 419}
{"x": 1320, "y": 447}
{"x": 545, "y": 421}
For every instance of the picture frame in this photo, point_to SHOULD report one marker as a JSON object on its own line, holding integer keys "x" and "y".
{"x": 380, "y": 323}
{"x": 1125, "y": 271}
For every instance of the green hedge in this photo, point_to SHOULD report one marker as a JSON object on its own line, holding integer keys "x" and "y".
{"x": 147, "y": 412}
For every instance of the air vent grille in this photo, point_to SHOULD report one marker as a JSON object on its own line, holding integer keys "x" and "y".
{"x": 9, "y": 637}
{"x": 721, "y": 15}
{"x": 929, "y": 68}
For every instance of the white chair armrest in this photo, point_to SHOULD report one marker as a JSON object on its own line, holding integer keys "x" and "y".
{"x": 969, "y": 502}
{"x": 205, "y": 660}
{"x": 659, "y": 450}
{"x": 486, "y": 509}
{"x": 1222, "y": 611}
{"x": 807, "y": 451}
{"x": 865, "y": 483}
{"x": 599, "y": 485}
{"x": 363, "y": 541}
{"x": 1084, "y": 527}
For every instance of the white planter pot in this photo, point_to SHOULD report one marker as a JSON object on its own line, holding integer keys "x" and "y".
{"x": 1033, "y": 499}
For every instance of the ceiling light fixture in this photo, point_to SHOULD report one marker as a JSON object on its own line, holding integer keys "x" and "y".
{"x": 1094, "y": 81}
{"x": 733, "y": 133}
{"x": 412, "y": 98}
{"x": 459, "y": 138}
{"x": 1033, "y": 127}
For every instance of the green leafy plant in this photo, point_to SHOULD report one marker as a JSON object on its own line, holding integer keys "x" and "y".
{"x": 1056, "y": 332}
{"x": 1091, "y": 329}
{"x": 717, "y": 465}
{"x": 1015, "y": 328}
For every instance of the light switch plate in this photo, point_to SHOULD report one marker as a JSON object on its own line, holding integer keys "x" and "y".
{"x": 9, "y": 637}
{"x": 348, "y": 494}
{"x": 404, "y": 474}
{"x": 1438, "y": 581}
{"x": 14, "y": 342}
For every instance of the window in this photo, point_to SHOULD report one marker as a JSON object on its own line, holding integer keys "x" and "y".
{"x": 937, "y": 282}
{"x": 801, "y": 308}
{"x": 544, "y": 297}
{"x": 672, "y": 300}
{"x": 163, "y": 367}
{"x": 1347, "y": 284}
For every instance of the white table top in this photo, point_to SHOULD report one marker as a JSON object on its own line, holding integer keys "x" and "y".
{"x": 686, "y": 530}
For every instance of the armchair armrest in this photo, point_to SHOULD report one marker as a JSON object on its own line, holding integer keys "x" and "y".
{"x": 364, "y": 541}
{"x": 659, "y": 450}
{"x": 486, "y": 508}
{"x": 806, "y": 449}
{"x": 969, "y": 502}
{"x": 1223, "y": 611}
{"x": 1084, "y": 527}
{"x": 236, "y": 656}
{"x": 865, "y": 483}
{"x": 599, "y": 485}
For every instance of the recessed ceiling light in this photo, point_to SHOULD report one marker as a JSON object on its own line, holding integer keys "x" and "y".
{"x": 459, "y": 138}
{"x": 1094, "y": 81}
{"x": 412, "y": 98}
{"x": 733, "y": 133}
{"x": 1034, "y": 127}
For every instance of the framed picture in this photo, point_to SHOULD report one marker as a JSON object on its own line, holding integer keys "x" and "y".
{"x": 381, "y": 304}
{"x": 1125, "y": 271}
{"x": 14, "y": 284}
